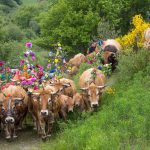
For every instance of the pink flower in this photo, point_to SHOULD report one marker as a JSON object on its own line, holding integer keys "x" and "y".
{"x": 29, "y": 82}
{"x": 22, "y": 62}
{"x": 29, "y": 45}
{"x": 35, "y": 88}
{"x": 41, "y": 69}
{"x": 48, "y": 65}
{"x": 33, "y": 79}
{"x": 33, "y": 58}
{"x": 24, "y": 82}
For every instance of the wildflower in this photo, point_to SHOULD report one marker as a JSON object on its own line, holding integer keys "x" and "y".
{"x": 29, "y": 45}
{"x": 33, "y": 58}
{"x": 110, "y": 91}
{"x": 48, "y": 65}
{"x": 22, "y": 62}
{"x": 56, "y": 60}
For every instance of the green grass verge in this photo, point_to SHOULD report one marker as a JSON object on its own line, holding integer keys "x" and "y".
{"x": 122, "y": 121}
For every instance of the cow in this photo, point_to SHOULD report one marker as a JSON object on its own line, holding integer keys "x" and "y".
{"x": 1, "y": 108}
{"x": 14, "y": 109}
{"x": 77, "y": 60}
{"x": 73, "y": 71}
{"x": 92, "y": 83}
{"x": 112, "y": 42}
{"x": 40, "y": 106}
{"x": 62, "y": 105}
{"x": 147, "y": 38}
{"x": 79, "y": 102}
{"x": 66, "y": 86}
{"x": 70, "y": 90}
{"x": 111, "y": 50}
{"x": 110, "y": 58}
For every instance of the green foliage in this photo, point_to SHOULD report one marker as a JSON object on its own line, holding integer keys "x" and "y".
{"x": 122, "y": 121}
{"x": 74, "y": 23}
{"x": 132, "y": 63}
{"x": 11, "y": 32}
{"x": 10, "y": 51}
{"x": 106, "y": 31}
{"x": 25, "y": 14}
{"x": 71, "y": 26}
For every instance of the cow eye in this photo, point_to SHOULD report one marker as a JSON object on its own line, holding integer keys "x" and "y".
{"x": 49, "y": 100}
{"x": 3, "y": 109}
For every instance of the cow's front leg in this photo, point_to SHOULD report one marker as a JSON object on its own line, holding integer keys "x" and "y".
{"x": 7, "y": 133}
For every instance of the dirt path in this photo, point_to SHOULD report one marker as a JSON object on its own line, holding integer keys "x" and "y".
{"x": 27, "y": 140}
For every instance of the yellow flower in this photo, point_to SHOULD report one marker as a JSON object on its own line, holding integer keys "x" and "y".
{"x": 56, "y": 60}
{"x": 25, "y": 68}
{"x": 59, "y": 44}
{"x": 137, "y": 32}
{"x": 110, "y": 91}
{"x": 46, "y": 75}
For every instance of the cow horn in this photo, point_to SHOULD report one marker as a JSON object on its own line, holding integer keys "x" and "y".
{"x": 18, "y": 99}
{"x": 67, "y": 84}
{"x": 36, "y": 93}
{"x": 83, "y": 89}
{"x": 101, "y": 87}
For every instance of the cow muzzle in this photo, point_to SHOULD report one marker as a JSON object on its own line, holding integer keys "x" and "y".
{"x": 44, "y": 112}
{"x": 94, "y": 104}
{"x": 77, "y": 105}
{"x": 9, "y": 120}
{"x": 70, "y": 110}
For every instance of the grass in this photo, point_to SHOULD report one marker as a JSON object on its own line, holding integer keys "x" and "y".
{"x": 122, "y": 121}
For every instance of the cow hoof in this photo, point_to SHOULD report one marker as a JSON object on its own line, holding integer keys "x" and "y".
{"x": 15, "y": 136}
{"x": 49, "y": 135}
{"x": 19, "y": 128}
{"x": 8, "y": 138}
{"x": 44, "y": 138}
{"x": 35, "y": 129}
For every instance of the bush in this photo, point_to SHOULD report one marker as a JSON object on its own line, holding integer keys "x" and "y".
{"x": 12, "y": 32}
{"x": 106, "y": 31}
{"x": 132, "y": 63}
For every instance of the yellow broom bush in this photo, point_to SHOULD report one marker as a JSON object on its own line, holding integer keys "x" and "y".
{"x": 135, "y": 35}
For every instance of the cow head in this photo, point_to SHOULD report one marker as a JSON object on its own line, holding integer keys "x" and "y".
{"x": 60, "y": 86}
{"x": 9, "y": 109}
{"x": 93, "y": 92}
{"x": 43, "y": 98}
{"x": 77, "y": 99}
{"x": 70, "y": 104}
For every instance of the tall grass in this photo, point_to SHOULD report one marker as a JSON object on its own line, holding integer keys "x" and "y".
{"x": 122, "y": 121}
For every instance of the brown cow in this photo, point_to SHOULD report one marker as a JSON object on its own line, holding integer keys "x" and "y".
{"x": 63, "y": 104}
{"x": 65, "y": 85}
{"x": 40, "y": 106}
{"x": 70, "y": 90}
{"x": 92, "y": 82}
{"x": 73, "y": 71}
{"x": 80, "y": 102}
{"x": 14, "y": 109}
{"x": 147, "y": 38}
{"x": 77, "y": 60}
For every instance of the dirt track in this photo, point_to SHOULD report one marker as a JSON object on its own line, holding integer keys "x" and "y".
{"x": 27, "y": 140}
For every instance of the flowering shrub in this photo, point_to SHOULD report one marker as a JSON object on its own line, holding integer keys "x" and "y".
{"x": 135, "y": 35}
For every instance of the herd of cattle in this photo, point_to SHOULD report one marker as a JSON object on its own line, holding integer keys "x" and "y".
{"x": 53, "y": 101}
{"x": 56, "y": 98}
